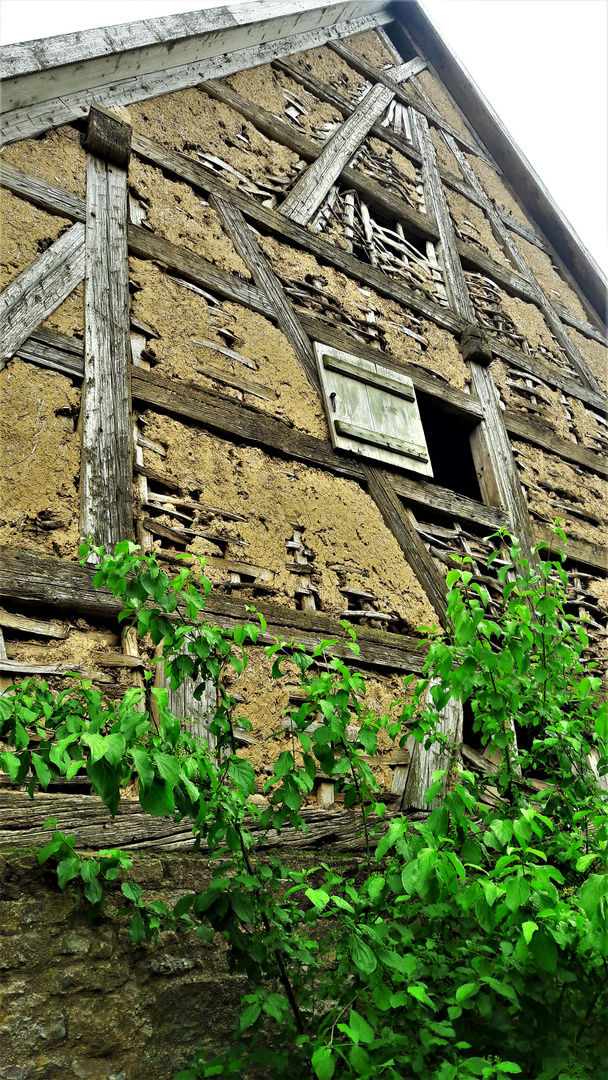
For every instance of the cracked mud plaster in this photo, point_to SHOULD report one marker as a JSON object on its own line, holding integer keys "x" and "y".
{"x": 442, "y": 355}
{"x": 269, "y": 86}
{"x": 530, "y": 322}
{"x": 475, "y": 227}
{"x": 552, "y": 485}
{"x": 548, "y": 277}
{"x": 265, "y": 699}
{"x": 594, "y": 353}
{"x": 40, "y": 460}
{"x": 442, "y": 102}
{"x": 56, "y": 156}
{"x": 496, "y": 189}
{"x": 181, "y": 216}
{"x": 189, "y": 120}
{"x": 370, "y": 46}
{"x": 182, "y": 318}
{"x": 598, "y": 589}
{"x": 330, "y": 69}
{"x": 340, "y": 523}
{"x": 68, "y": 318}
{"x": 85, "y": 650}
{"x": 566, "y": 416}
{"x": 445, "y": 158}
{"x": 25, "y": 234}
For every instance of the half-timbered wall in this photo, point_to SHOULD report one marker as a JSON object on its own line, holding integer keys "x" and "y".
{"x": 318, "y": 187}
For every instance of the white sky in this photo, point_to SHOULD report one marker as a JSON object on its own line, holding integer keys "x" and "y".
{"x": 540, "y": 63}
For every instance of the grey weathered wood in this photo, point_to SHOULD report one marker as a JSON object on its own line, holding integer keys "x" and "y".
{"x": 580, "y": 552}
{"x": 454, "y": 276}
{"x": 584, "y": 328}
{"x": 501, "y": 457}
{"x": 533, "y": 432}
{"x": 310, "y": 190}
{"x": 287, "y": 134}
{"x": 268, "y": 283}
{"x": 49, "y": 356}
{"x": 423, "y": 762}
{"x": 370, "y": 413}
{"x": 548, "y": 373}
{"x": 106, "y": 476}
{"x": 108, "y": 137}
{"x": 399, "y": 520}
{"x": 86, "y": 818}
{"x": 67, "y": 92}
{"x": 374, "y": 74}
{"x": 32, "y": 296}
{"x": 50, "y": 197}
{"x": 541, "y": 300}
{"x": 40, "y": 627}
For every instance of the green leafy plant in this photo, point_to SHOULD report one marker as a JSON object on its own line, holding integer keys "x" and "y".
{"x": 471, "y": 944}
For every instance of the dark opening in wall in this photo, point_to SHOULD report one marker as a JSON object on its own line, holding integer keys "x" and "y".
{"x": 449, "y": 445}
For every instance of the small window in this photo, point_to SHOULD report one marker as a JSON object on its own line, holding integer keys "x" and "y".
{"x": 372, "y": 410}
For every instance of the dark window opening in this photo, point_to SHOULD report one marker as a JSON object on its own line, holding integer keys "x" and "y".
{"x": 449, "y": 446}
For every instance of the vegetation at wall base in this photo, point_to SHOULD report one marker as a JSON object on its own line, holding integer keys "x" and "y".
{"x": 471, "y": 944}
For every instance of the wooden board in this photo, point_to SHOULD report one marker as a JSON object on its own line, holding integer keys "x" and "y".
{"x": 106, "y": 476}
{"x": 34, "y": 104}
{"x": 531, "y": 431}
{"x": 370, "y": 413}
{"x": 37, "y": 291}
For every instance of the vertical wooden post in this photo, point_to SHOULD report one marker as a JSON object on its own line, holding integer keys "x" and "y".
{"x": 107, "y": 471}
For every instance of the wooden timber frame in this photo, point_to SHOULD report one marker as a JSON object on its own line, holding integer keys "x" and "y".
{"x": 96, "y": 246}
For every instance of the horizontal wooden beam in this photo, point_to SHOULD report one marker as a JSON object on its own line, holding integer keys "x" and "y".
{"x": 549, "y": 373}
{"x": 533, "y": 432}
{"x": 62, "y": 585}
{"x": 579, "y": 552}
{"x": 86, "y": 818}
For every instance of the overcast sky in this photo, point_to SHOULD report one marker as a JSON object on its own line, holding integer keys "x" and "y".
{"x": 540, "y": 63}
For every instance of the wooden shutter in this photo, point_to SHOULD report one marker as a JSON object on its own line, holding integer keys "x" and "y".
{"x": 372, "y": 410}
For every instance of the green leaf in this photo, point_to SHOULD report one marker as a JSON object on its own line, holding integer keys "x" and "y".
{"x": 362, "y": 956}
{"x": 363, "y": 1031}
{"x": 528, "y": 929}
{"x": 137, "y": 929}
{"x": 42, "y": 770}
{"x": 323, "y": 1062}
{"x": 249, "y": 1016}
{"x": 142, "y": 763}
{"x": 318, "y": 898}
{"x": 157, "y": 799}
{"x": 544, "y": 950}
{"x": 508, "y": 1067}
{"x": 420, "y": 993}
{"x": 242, "y": 774}
{"x": 284, "y": 764}
{"x": 67, "y": 870}
{"x": 466, "y": 991}
{"x": 168, "y": 768}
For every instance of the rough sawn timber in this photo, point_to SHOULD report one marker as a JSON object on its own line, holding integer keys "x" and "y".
{"x": 86, "y": 818}
{"x": 36, "y": 101}
{"x": 62, "y": 585}
{"x": 106, "y": 475}
{"x": 32, "y": 296}
{"x": 310, "y": 190}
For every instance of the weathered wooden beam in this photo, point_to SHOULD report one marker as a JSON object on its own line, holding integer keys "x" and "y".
{"x": 549, "y": 373}
{"x": 579, "y": 552}
{"x": 62, "y": 585}
{"x": 87, "y": 819}
{"x": 501, "y": 458}
{"x": 371, "y": 191}
{"x": 541, "y": 300}
{"x": 32, "y": 296}
{"x": 333, "y": 97}
{"x": 106, "y": 476}
{"x": 374, "y": 75}
{"x": 310, "y": 190}
{"x": 533, "y": 432}
{"x": 191, "y": 267}
{"x": 268, "y": 284}
{"x": 48, "y": 196}
{"x": 236, "y": 48}
{"x": 455, "y": 281}
{"x": 584, "y": 328}
{"x": 399, "y": 520}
